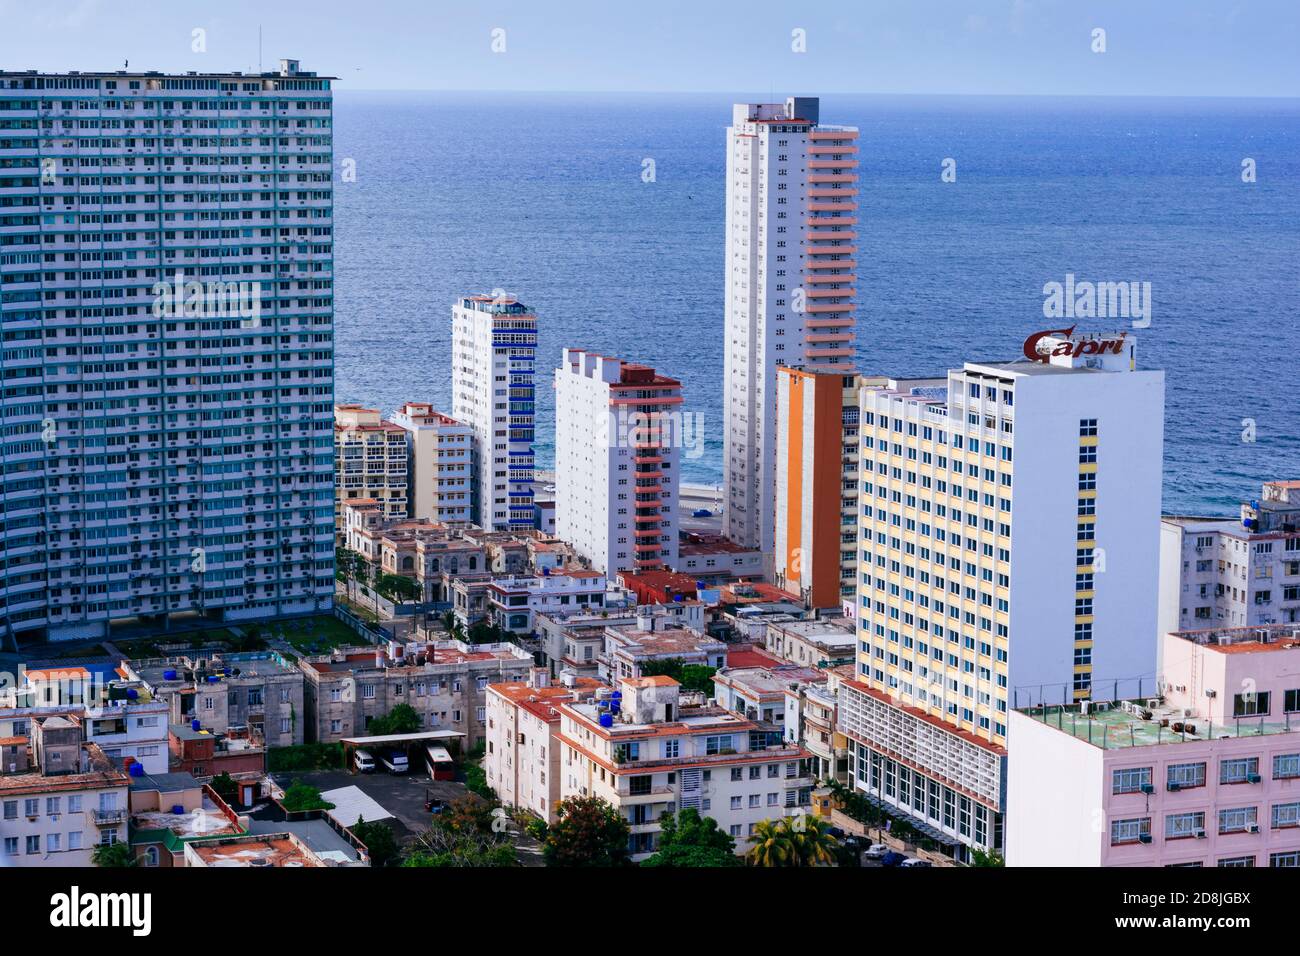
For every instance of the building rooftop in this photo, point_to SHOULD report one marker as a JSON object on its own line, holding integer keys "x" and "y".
{"x": 257, "y": 849}
{"x": 768, "y": 683}
{"x": 1245, "y": 640}
{"x": 97, "y": 772}
{"x": 1135, "y": 723}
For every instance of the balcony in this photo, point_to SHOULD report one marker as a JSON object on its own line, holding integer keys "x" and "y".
{"x": 108, "y": 818}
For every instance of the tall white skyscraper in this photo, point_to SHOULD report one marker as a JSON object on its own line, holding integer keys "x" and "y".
{"x": 1008, "y": 556}
{"x": 791, "y": 213}
{"x": 494, "y": 344}
{"x": 617, "y": 451}
{"x": 166, "y": 246}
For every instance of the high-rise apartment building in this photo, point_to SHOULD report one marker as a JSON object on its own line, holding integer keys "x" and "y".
{"x": 370, "y": 462}
{"x": 1009, "y": 546}
{"x": 617, "y": 452}
{"x": 790, "y": 247}
{"x": 817, "y": 486}
{"x": 440, "y": 464}
{"x": 166, "y": 246}
{"x": 494, "y": 344}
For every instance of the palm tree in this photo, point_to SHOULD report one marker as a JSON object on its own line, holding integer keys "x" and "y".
{"x": 771, "y": 845}
{"x": 812, "y": 840}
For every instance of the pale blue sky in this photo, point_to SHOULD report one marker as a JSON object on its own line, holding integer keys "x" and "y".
{"x": 1154, "y": 47}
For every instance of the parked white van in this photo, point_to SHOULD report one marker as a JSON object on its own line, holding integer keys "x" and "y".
{"x": 363, "y": 762}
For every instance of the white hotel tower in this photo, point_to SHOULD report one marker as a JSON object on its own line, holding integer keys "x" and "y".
{"x": 158, "y": 458}
{"x": 617, "y": 450}
{"x": 790, "y": 247}
{"x": 1009, "y": 554}
{"x": 493, "y": 350}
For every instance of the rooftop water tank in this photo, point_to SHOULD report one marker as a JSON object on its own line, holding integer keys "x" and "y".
{"x": 178, "y": 810}
{"x": 136, "y": 770}
{"x": 213, "y": 678}
{"x": 607, "y": 720}
{"x": 195, "y": 725}
{"x": 169, "y": 675}
{"x": 132, "y": 693}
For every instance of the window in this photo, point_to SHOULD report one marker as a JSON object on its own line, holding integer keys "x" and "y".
{"x": 1286, "y": 766}
{"x": 1237, "y": 861}
{"x": 1131, "y": 780}
{"x": 719, "y": 744}
{"x": 1238, "y": 820}
{"x": 1241, "y": 770}
{"x": 1130, "y": 831}
{"x": 1250, "y": 705}
{"x": 1289, "y": 859}
{"x": 1286, "y": 815}
{"x": 33, "y": 844}
{"x": 672, "y": 748}
{"x": 11, "y": 846}
{"x": 639, "y": 786}
{"x": 1180, "y": 826}
{"x": 1184, "y": 776}
{"x": 74, "y": 840}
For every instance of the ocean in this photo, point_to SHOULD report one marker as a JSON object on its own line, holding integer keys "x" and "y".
{"x": 542, "y": 195}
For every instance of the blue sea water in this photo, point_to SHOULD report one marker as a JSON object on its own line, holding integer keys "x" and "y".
{"x": 542, "y": 195}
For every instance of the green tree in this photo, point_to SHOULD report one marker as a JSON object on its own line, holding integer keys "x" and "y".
{"x": 303, "y": 796}
{"x": 587, "y": 832}
{"x": 700, "y": 857}
{"x": 692, "y": 677}
{"x": 225, "y": 787}
{"x": 771, "y": 845}
{"x": 379, "y": 840}
{"x": 468, "y": 833}
{"x": 688, "y": 828}
{"x": 113, "y": 855}
{"x": 812, "y": 840}
{"x": 402, "y": 719}
{"x": 980, "y": 858}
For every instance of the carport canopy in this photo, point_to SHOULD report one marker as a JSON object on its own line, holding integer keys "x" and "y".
{"x": 401, "y": 738}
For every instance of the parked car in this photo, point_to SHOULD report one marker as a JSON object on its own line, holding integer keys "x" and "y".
{"x": 701, "y": 513}
{"x": 892, "y": 858}
{"x": 913, "y": 861}
{"x": 362, "y": 762}
{"x": 876, "y": 851}
{"x": 395, "y": 761}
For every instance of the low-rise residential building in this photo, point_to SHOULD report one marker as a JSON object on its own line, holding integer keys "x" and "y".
{"x": 172, "y": 810}
{"x": 652, "y": 750}
{"x": 715, "y": 558}
{"x": 630, "y": 647}
{"x": 205, "y": 754}
{"x": 134, "y": 729}
{"x": 522, "y": 762}
{"x": 61, "y": 800}
{"x": 575, "y": 641}
{"x": 812, "y": 643}
{"x": 445, "y": 682}
{"x": 1204, "y": 772}
{"x": 257, "y": 690}
{"x": 514, "y": 602}
{"x": 1233, "y": 572}
{"x": 812, "y": 717}
{"x": 254, "y": 850}
{"x": 759, "y": 693}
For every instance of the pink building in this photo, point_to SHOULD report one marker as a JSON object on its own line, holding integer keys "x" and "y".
{"x": 1207, "y": 774}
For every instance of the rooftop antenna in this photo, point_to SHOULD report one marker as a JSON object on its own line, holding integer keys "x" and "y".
{"x": 259, "y": 48}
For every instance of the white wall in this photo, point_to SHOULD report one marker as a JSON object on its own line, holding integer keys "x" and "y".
{"x": 1055, "y": 813}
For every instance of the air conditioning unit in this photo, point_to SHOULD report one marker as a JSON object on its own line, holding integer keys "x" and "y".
{"x": 1200, "y": 834}
{"x": 1252, "y": 828}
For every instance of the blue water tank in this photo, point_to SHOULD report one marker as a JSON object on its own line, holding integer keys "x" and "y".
{"x": 677, "y": 597}
{"x": 212, "y": 678}
{"x": 195, "y": 725}
{"x": 607, "y": 720}
{"x": 617, "y": 695}
{"x": 178, "y": 810}
{"x": 169, "y": 675}
{"x": 137, "y": 770}
{"x": 614, "y": 706}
